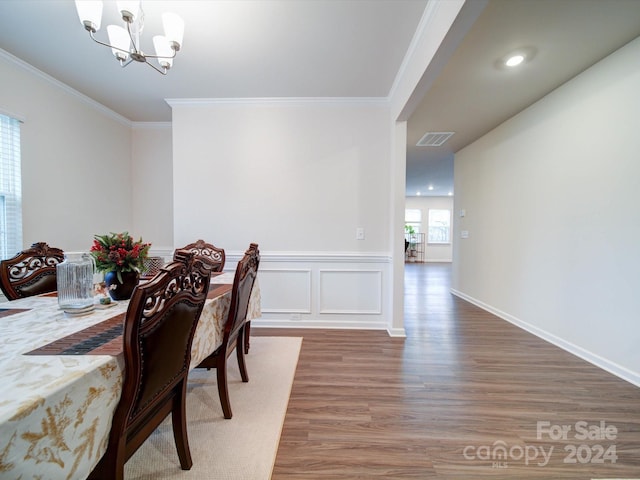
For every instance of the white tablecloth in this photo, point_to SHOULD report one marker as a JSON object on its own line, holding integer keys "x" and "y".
{"x": 55, "y": 411}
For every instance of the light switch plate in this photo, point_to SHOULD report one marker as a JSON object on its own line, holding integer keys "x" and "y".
{"x": 359, "y": 233}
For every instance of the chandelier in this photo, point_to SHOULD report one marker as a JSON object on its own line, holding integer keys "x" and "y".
{"x": 125, "y": 41}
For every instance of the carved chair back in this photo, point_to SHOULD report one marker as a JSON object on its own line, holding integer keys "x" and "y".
{"x": 158, "y": 333}
{"x": 211, "y": 254}
{"x": 234, "y": 327}
{"x": 245, "y": 277}
{"x": 30, "y": 272}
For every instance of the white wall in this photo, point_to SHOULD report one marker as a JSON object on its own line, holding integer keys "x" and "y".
{"x": 152, "y": 176}
{"x": 553, "y": 214}
{"x": 76, "y": 160}
{"x": 297, "y": 177}
{"x": 432, "y": 252}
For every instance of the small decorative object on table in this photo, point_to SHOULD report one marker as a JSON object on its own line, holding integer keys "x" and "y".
{"x": 101, "y": 298}
{"x": 121, "y": 258}
{"x": 151, "y": 267}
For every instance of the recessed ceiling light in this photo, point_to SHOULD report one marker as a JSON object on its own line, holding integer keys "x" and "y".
{"x": 514, "y": 60}
{"x": 516, "y": 57}
{"x": 450, "y": 193}
{"x": 418, "y": 193}
{"x": 430, "y": 187}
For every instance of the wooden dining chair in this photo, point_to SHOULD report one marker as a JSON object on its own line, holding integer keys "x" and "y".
{"x": 213, "y": 255}
{"x": 234, "y": 327}
{"x": 30, "y": 272}
{"x": 158, "y": 332}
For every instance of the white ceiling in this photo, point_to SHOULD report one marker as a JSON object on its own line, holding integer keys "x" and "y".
{"x": 331, "y": 48}
{"x": 472, "y": 94}
{"x": 231, "y": 49}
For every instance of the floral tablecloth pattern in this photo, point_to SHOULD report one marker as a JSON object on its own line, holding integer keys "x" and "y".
{"x": 55, "y": 411}
{"x": 209, "y": 333}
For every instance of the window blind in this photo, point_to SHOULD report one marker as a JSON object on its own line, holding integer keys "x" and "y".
{"x": 10, "y": 187}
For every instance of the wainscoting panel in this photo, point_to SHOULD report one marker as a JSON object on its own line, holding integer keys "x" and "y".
{"x": 285, "y": 290}
{"x": 323, "y": 290}
{"x": 320, "y": 289}
{"x": 350, "y": 291}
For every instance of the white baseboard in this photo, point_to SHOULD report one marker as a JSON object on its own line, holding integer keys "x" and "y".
{"x": 397, "y": 332}
{"x": 334, "y": 324}
{"x": 601, "y": 362}
{"x": 337, "y": 325}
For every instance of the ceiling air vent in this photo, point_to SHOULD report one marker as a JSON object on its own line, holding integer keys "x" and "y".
{"x": 434, "y": 139}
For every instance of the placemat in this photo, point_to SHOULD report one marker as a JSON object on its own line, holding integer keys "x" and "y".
{"x": 217, "y": 290}
{"x": 104, "y": 338}
{"x": 5, "y": 312}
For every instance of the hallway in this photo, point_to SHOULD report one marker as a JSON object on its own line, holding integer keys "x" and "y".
{"x": 460, "y": 397}
{"x": 428, "y": 305}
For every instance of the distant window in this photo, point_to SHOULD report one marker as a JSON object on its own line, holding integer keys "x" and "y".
{"x": 10, "y": 188}
{"x": 412, "y": 220}
{"x": 439, "y": 226}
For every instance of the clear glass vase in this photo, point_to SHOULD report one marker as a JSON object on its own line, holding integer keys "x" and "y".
{"x": 74, "y": 277}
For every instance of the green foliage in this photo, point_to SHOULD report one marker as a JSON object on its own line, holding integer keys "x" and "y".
{"x": 119, "y": 252}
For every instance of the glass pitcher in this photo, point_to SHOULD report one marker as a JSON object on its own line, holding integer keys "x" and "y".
{"x": 75, "y": 283}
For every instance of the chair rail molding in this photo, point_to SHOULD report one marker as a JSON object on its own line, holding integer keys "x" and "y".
{"x": 349, "y": 290}
{"x": 323, "y": 257}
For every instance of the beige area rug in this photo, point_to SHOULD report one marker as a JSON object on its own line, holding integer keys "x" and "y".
{"x": 242, "y": 448}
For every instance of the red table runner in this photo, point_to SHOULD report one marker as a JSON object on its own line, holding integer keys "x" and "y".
{"x": 104, "y": 338}
{"x": 5, "y": 312}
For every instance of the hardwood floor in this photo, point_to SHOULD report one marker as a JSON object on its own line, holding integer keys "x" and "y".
{"x": 443, "y": 401}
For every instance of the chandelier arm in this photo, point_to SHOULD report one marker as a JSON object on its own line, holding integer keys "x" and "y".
{"x": 175, "y": 52}
{"x": 124, "y": 64}
{"x": 133, "y": 41}
{"x": 163, "y": 72}
{"x": 107, "y": 44}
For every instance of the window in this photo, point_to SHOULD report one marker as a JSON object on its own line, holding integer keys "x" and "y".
{"x": 439, "y": 226}
{"x": 10, "y": 188}
{"x": 412, "y": 220}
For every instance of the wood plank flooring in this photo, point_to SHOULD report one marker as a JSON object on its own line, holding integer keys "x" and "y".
{"x": 459, "y": 398}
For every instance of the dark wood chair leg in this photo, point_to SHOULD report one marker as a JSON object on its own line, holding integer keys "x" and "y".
{"x": 179, "y": 422}
{"x": 247, "y": 332}
{"x": 223, "y": 390}
{"x": 107, "y": 467}
{"x": 240, "y": 354}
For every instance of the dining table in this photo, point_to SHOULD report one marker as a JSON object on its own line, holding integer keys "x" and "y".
{"x": 61, "y": 379}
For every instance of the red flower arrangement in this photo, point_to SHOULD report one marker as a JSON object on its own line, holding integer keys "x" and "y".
{"x": 119, "y": 252}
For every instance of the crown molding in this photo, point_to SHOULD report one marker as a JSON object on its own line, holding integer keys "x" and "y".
{"x": 63, "y": 86}
{"x": 150, "y": 125}
{"x": 295, "y": 101}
